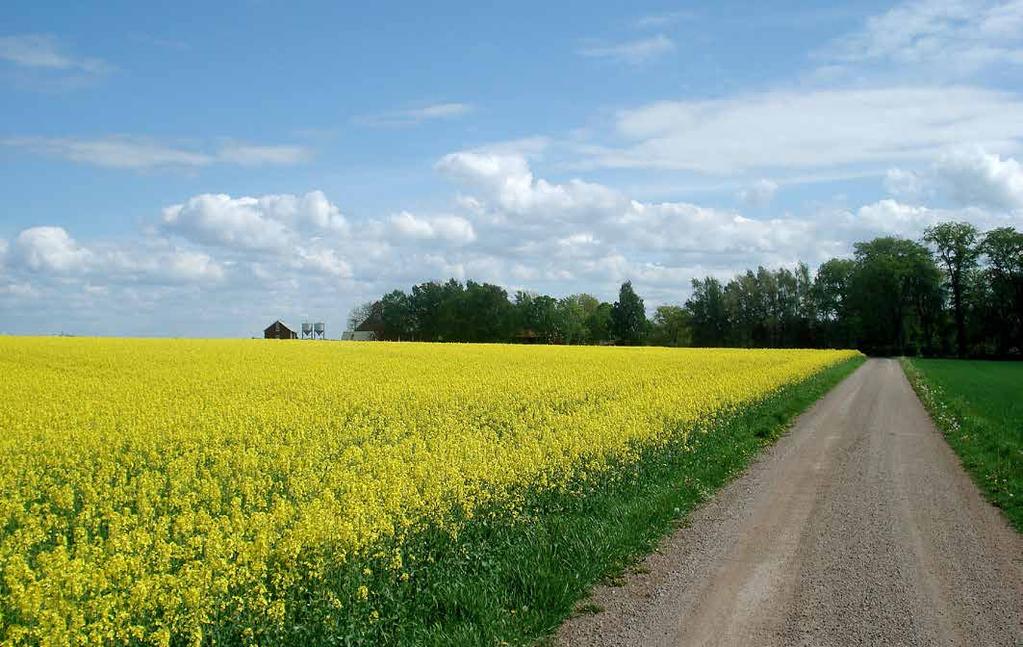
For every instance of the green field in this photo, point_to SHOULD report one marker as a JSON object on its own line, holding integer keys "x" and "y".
{"x": 979, "y": 407}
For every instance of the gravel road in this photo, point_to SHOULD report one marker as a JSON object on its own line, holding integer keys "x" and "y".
{"x": 857, "y": 528}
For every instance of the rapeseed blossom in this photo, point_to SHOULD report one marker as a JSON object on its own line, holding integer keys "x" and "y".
{"x": 151, "y": 488}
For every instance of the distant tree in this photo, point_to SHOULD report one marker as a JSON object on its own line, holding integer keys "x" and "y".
{"x": 396, "y": 316}
{"x": 425, "y": 303}
{"x": 830, "y": 295}
{"x": 628, "y": 316}
{"x": 957, "y": 249}
{"x": 804, "y": 328}
{"x": 598, "y": 322}
{"x": 486, "y": 313}
{"x": 539, "y": 315}
{"x": 359, "y": 314}
{"x": 744, "y": 308}
{"x": 1003, "y": 279}
{"x": 670, "y": 326}
{"x": 708, "y": 314}
{"x": 572, "y": 316}
{"x": 896, "y": 296}
{"x": 889, "y": 298}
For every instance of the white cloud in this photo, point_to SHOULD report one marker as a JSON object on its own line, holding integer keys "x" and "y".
{"x": 238, "y": 260}
{"x": 453, "y": 229}
{"x": 903, "y": 183}
{"x": 415, "y": 116}
{"x": 113, "y": 152}
{"x": 50, "y": 249}
{"x": 142, "y": 153}
{"x": 221, "y": 219}
{"x": 44, "y": 52}
{"x": 270, "y": 222}
{"x": 508, "y": 181}
{"x": 758, "y": 194}
{"x": 975, "y": 177}
{"x": 812, "y": 129}
{"x": 893, "y": 217}
{"x": 966, "y": 177}
{"x": 248, "y": 155}
{"x": 633, "y": 52}
{"x": 190, "y": 267}
{"x": 323, "y": 261}
{"x": 550, "y": 223}
{"x": 948, "y": 37}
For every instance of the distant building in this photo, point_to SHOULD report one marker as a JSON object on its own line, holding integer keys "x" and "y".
{"x": 277, "y": 330}
{"x": 358, "y": 335}
{"x": 371, "y": 329}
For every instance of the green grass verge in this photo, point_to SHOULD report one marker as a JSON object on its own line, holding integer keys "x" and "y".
{"x": 979, "y": 407}
{"x": 505, "y": 581}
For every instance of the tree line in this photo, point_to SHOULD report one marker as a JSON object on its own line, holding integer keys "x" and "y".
{"x": 955, "y": 291}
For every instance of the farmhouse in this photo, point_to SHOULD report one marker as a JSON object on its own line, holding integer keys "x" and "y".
{"x": 371, "y": 329}
{"x": 277, "y": 330}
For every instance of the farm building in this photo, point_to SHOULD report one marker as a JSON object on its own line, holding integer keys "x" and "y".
{"x": 371, "y": 329}
{"x": 277, "y": 330}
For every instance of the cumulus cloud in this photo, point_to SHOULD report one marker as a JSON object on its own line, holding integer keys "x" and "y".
{"x": 812, "y": 129}
{"x": 50, "y": 249}
{"x": 323, "y": 261}
{"x": 507, "y": 181}
{"x": 634, "y": 52}
{"x": 966, "y": 177}
{"x": 975, "y": 177}
{"x": 449, "y": 228}
{"x": 127, "y": 152}
{"x": 269, "y": 222}
{"x": 758, "y": 194}
{"x": 187, "y": 266}
{"x": 509, "y": 227}
{"x": 902, "y": 183}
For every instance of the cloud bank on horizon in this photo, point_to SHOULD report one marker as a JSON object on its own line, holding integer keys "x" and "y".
{"x": 880, "y": 123}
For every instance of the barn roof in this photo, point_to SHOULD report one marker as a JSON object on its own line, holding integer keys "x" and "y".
{"x": 276, "y": 322}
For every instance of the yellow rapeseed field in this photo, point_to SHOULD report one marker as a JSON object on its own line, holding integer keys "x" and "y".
{"x": 152, "y": 488}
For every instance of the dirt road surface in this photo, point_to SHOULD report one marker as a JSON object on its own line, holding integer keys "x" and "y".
{"x": 857, "y": 528}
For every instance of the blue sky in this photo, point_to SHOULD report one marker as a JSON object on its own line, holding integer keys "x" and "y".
{"x": 192, "y": 171}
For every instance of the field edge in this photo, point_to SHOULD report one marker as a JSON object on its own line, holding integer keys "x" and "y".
{"x": 949, "y": 417}
{"x": 516, "y": 585}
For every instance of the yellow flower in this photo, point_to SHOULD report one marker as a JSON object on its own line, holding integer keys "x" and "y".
{"x": 151, "y": 486}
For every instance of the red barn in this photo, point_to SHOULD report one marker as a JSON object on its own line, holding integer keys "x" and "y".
{"x": 277, "y": 330}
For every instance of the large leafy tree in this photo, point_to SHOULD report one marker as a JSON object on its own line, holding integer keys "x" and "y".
{"x": 628, "y": 316}
{"x": 396, "y": 316}
{"x": 708, "y": 313}
{"x": 486, "y": 313}
{"x": 1003, "y": 280}
{"x": 956, "y": 247}
{"x": 895, "y": 293}
{"x": 538, "y": 315}
{"x": 830, "y": 294}
{"x": 670, "y": 326}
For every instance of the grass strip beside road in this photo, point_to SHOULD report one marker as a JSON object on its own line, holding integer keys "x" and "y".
{"x": 978, "y": 405}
